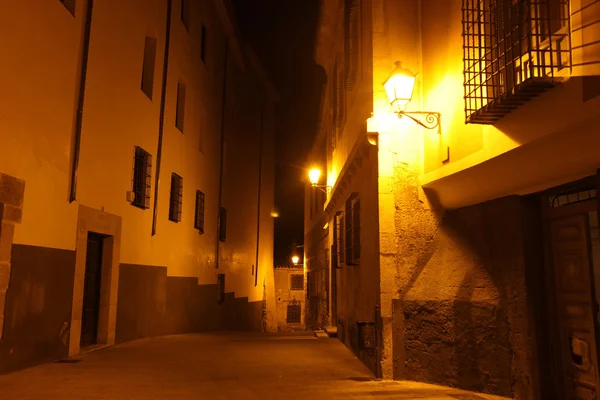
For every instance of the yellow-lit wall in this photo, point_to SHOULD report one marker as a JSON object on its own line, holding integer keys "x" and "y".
{"x": 551, "y": 124}
{"x": 40, "y": 75}
{"x": 283, "y": 296}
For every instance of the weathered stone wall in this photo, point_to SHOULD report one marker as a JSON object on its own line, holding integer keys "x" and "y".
{"x": 463, "y": 317}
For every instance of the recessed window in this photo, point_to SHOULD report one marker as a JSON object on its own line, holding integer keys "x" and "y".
{"x": 180, "y": 113}
{"x": 185, "y": 14}
{"x": 296, "y": 282}
{"x": 148, "y": 66}
{"x": 69, "y": 5}
{"x": 199, "y": 218}
{"x": 142, "y": 170}
{"x": 176, "y": 199}
{"x": 352, "y": 221}
{"x": 338, "y": 239}
{"x": 294, "y": 313}
{"x": 222, "y": 224}
{"x": 203, "y": 43}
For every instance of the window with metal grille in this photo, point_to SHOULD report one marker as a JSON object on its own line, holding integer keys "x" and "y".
{"x": 352, "y": 221}
{"x": 222, "y": 224}
{"x": 294, "y": 314}
{"x": 180, "y": 111}
{"x": 220, "y": 288}
{"x": 296, "y": 281}
{"x": 199, "y": 217}
{"x": 185, "y": 13}
{"x": 571, "y": 197}
{"x": 142, "y": 177}
{"x": 203, "y": 40}
{"x": 148, "y": 66}
{"x": 337, "y": 252}
{"x": 176, "y": 200}
{"x": 513, "y": 50}
{"x": 69, "y": 5}
{"x": 352, "y": 40}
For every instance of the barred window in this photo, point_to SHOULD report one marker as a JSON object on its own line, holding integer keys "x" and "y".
{"x": 142, "y": 171}
{"x": 296, "y": 281}
{"x": 294, "y": 313}
{"x": 352, "y": 40}
{"x": 338, "y": 240}
{"x": 513, "y": 51}
{"x": 338, "y": 99}
{"x": 222, "y": 224}
{"x": 176, "y": 200}
{"x": 199, "y": 217}
{"x": 352, "y": 220}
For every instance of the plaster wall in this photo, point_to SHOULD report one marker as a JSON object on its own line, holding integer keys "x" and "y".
{"x": 559, "y": 114}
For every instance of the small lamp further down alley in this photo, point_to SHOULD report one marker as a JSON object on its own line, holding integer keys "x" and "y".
{"x": 399, "y": 87}
{"x": 313, "y": 176}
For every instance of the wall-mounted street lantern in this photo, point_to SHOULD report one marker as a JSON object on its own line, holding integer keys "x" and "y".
{"x": 295, "y": 260}
{"x": 399, "y": 88}
{"x": 313, "y": 176}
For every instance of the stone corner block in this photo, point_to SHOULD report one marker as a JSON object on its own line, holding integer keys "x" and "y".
{"x": 12, "y": 190}
{"x": 11, "y": 214}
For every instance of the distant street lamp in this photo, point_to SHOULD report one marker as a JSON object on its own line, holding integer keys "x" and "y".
{"x": 295, "y": 260}
{"x": 313, "y": 176}
{"x": 399, "y": 87}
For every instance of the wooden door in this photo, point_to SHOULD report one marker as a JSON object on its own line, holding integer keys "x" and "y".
{"x": 91, "y": 291}
{"x": 576, "y": 306}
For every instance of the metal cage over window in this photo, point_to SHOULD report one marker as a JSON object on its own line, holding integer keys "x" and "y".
{"x": 513, "y": 50}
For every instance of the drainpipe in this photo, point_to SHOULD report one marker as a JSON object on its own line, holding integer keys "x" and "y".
{"x": 223, "y": 109}
{"x": 80, "y": 100}
{"x": 161, "y": 119}
{"x": 260, "y": 159}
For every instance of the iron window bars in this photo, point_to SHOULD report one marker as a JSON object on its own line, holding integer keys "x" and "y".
{"x": 199, "y": 217}
{"x": 513, "y": 50}
{"x": 296, "y": 281}
{"x": 176, "y": 199}
{"x": 294, "y": 314}
{"x": 142, "y": 171}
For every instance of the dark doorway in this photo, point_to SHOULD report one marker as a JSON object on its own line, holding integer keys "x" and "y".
{"x": 91, "y": 290}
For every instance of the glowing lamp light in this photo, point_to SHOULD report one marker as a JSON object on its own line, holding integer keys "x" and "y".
{"x": 399, "y": 86}
{"x": 314, "y": 175}
{"x": 295, "y": 259}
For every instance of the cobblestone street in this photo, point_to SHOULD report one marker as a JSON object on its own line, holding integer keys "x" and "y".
{"x": 216, "y": 366}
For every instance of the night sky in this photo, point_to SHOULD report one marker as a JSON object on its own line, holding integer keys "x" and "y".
{"x": 282, "y": 33}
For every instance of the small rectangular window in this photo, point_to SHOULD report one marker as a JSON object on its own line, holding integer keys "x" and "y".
{"x": 294, "y": 313}
{"x": 176, "y": 200}
{"x": 180, "y": 112}
{"x": 222, "y": 224}
{"x": 69, "y": 5}
{"x": 199, "y": 218}
{"x": 148, "y": 66}
{"x": 142, "y": 171}
{"x": 296, "y": 282}
{"x": 338, "y": 239}
{"x": 203, "y": 44}
{"x": 185, "y": 14}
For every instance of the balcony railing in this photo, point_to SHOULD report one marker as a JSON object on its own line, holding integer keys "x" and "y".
{"x": 513, "y": 51}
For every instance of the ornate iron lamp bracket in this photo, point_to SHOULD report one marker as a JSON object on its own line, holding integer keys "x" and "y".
{"x": 426, "y": 119}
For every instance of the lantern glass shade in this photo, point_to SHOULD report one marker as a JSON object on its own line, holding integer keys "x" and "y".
{"x": 295, "y": 259}
{"x": 314, "y": 175}
{"x": 399, "y": 86}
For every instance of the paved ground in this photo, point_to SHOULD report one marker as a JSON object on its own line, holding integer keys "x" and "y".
{"x": 216, "y": 366}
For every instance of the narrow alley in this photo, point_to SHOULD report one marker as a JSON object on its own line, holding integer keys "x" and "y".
{"x": 216, "y": 366}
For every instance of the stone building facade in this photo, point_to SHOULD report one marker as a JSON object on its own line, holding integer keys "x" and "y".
{"x": 463, "y": 255}
{"x": 290, "y": 298}
{"x": 129, "y": 130}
